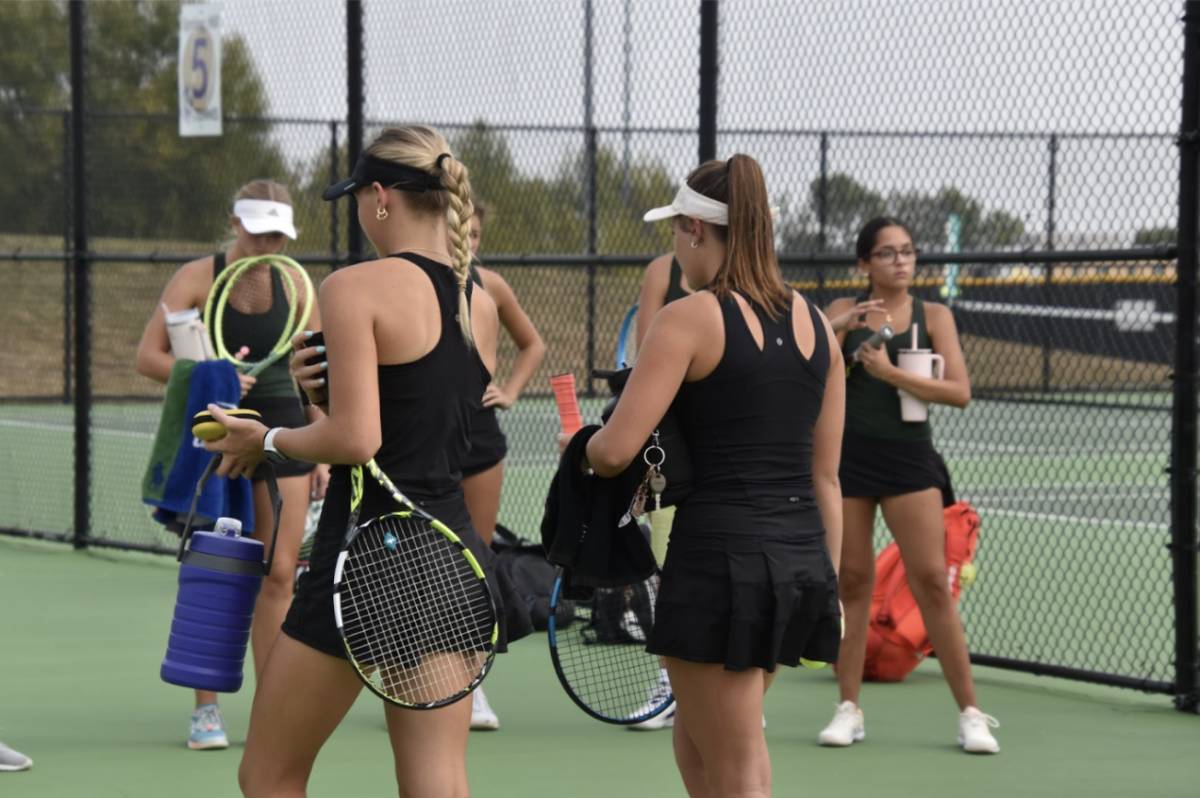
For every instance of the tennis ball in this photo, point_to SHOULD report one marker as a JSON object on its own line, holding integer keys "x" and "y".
{"x": 809, "y": 663}
{"x": 968, "y": 574}
{"x": 944, "y": 291}
{"x": 207, "y": 428}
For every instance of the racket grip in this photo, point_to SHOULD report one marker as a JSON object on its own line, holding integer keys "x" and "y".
{"x": 568, "y": 404}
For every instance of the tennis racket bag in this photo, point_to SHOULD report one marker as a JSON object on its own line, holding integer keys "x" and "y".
{"x": 896, "y": 639}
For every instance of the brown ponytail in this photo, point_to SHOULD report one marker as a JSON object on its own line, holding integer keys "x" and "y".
{"x": 750, "y": 264}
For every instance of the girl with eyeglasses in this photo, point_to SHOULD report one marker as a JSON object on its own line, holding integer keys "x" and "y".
{"x": 890, "y": 464}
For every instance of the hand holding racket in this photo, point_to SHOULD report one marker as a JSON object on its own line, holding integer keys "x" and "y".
{"x": 412, "y": 604}
{"x": 257, "y": 304}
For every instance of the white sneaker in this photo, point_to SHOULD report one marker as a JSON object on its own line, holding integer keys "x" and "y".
{"x": 482, "y": 716}
{"x": 846, "y": 728}
{"x": 663, "y": 720}
{"x": 973, "y": 733}
{"x": 11, "y": 760}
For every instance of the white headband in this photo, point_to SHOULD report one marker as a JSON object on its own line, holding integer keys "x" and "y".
{"x": 692, "y": 203}
{"x": 265, "y": 216}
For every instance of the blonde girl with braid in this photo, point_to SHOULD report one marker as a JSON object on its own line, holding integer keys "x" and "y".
{"x": 409, "y": 350}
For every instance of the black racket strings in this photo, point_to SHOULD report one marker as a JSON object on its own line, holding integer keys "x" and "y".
{"x": 604, "y": 660}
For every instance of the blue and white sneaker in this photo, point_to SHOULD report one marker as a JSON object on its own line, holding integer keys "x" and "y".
{"x": 655, "y": 696}
{"x": 208, "y": 729}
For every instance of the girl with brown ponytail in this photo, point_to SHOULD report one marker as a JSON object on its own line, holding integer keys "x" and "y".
{"x": 409, "y": 351}
{"x": 755, "y": 378}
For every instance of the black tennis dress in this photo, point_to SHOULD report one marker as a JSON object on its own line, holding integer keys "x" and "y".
{"x": 488, "y": 444}
{"x": 426, "y": 408}
{"x": 274, "y": 394}
{"x": 882, "y": 454}
{"x": 748, "y": 581}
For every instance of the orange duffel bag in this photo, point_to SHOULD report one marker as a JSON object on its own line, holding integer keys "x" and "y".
{"x": 896, "y": 639}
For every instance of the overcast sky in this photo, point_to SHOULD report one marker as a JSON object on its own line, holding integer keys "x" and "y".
{"x": 1076, "y": 68}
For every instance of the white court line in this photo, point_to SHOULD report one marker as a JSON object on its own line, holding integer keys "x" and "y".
{"x": 985, "y": 511}
{"x": 43, "y": 427}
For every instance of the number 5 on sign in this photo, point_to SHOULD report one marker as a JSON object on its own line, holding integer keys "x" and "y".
{"x": 200, "y": 70}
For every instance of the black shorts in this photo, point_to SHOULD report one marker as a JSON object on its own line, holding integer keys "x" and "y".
{"x": 488, "y": 444}
{"x": 280, "y": 411}
{"x": 875, "y": 467}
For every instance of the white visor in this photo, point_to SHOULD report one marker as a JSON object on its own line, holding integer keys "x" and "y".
{"x": 265, "y": 216}
{"x": 694, "y": 204}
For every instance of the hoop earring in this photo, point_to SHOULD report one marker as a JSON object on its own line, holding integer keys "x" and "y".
{"x": 694, "y": 244}
{"x": 381, "y": 214}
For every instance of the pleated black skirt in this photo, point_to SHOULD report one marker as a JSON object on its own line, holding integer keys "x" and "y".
{"x": 752, "y": 593}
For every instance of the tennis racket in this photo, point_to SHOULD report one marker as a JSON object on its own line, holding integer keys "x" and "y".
{"x": 626, "y": 346}
{"x": 568, "y": 404}
{"x": 412, "y": 604}
{"x": 600, "y": 658}
{"x": 245, "y": 310}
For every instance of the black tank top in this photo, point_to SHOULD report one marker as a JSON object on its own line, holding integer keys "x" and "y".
{"x": 749, "y": 424}
{"x": 872, "y": 405}
{"x": 259, "y": 332}
{"x": 426, "y": 407}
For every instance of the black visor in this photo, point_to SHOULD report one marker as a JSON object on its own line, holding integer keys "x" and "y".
{"x": 370, "y": 170}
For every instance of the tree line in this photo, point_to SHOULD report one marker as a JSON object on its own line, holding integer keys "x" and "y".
{"x": 148, "y": 182}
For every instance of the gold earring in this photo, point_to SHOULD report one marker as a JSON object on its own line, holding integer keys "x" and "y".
{"x": 381, "y": 214}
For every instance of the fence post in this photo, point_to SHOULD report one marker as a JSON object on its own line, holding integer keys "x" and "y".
{"x": 354, "y": 112}
{"x": 68, "y": 321}
{"x": 1184, "y": 541}
{"x": 823, "y": 193}
{"x": 589, "y": 187}
{"x": 80, "y": 269}
{"x": 334, "y": 176}
{"x": 1048, "y": 273}
{"x": 708, "y": 80}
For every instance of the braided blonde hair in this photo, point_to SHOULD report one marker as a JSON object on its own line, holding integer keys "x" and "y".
{"x": 421, "y": 147}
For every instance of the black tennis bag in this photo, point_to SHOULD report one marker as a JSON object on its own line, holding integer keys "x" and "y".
{"x": 533, "y": 575}
{"x": 677, "y": 467}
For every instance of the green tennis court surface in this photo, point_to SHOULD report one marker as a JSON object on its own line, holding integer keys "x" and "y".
{"x": 1074, "y": 503}
{"x": 84, "y": 633}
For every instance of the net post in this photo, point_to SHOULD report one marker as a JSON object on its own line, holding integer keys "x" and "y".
{"x": 1184, "y": 548}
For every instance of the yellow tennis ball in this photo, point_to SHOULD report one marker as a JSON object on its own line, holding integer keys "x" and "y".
{"x": 944, "y": 291}
{"x": 968, "y": 574}
{"x": 207, "y": 428}
{"x": 810, "y": 663}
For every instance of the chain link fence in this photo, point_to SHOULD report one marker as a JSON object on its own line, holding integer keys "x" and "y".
{"x": 1031, "y": 147}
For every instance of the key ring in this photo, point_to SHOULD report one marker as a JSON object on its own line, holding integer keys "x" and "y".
{"x": 661, "y": 451}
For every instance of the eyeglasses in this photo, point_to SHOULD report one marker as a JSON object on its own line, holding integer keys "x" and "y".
{"x": 888, "y": 256}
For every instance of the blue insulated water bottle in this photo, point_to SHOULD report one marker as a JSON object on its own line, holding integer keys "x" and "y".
{"x": 220, "y": 575}
{"x": 219, "y": 582}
